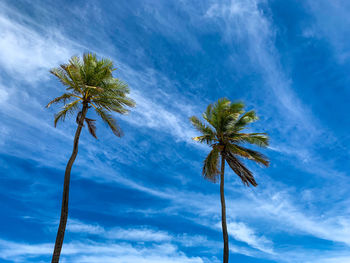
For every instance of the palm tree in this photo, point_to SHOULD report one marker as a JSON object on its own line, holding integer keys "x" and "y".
{"x": 224, "y": 133}
{"x": 89, "y": 84}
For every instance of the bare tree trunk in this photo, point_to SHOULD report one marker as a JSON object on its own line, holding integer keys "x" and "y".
{"x": 65, "y": 198}
{"x": 223, "y": 210}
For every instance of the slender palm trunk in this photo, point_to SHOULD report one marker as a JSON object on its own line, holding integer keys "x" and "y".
{"x": 223, "y": 210}
{"x": 65, "y": 198}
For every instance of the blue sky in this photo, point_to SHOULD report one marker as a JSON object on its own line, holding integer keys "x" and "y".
{"x": 142, "y": 198}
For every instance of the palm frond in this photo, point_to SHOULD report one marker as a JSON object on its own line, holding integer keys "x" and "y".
{"x": 204, "y": 129}
{"x": 74, "y": 70}
{"x": 247, "y": 153}
{"x": 220, "y": 111}
{"x": 207, "y": 115}
{"x": 67, "y": 109}
{"x": 109, "y": 120}
{"x": 62, "y": 77}
{"x": 259, "y": 139}
{"x": 238, "y": 167}
{"x": 208, "y": 139}
{"x": 73, "y": 73}
{"x": 210, "y": 166}
{"x": 113, "y": 96}
{"x": 245, "y": 119}
{"x": 63, "y": 98}
{"x": 116, "y": 104}
{"x": 235, "y": 110}
{"x": 91, "y": 126}
{"x": 237, "y": 107}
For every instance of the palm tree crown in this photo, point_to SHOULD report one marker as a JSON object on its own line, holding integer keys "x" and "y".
{"x": 90, "y": 82}
{"x": 224, "y": 133}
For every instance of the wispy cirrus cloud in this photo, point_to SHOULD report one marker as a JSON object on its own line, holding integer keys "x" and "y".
{"x": 26, "y": 53}
{"x": 141, "y": 234}
{"x": 89, "y": 251}
{"x": 242, "y": 232}
{"x": 113, "y": 245}
{"x": 331, "y": 22}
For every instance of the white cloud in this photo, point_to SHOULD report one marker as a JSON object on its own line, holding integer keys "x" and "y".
{"x": 152, "y": 113}
{"x": 243, "y": 233}
{"x": 331, "y": 22}
{"x": 76, "y": 226}
{"x": 141, "y": 234}
{"x": 87, "y": 251}
{"x": 28, "y": 54}
{"x": 325, "y": 226}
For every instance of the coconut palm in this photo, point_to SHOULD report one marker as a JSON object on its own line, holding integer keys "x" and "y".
{"x": 89, "y": 85}
{"x": 224, "y": 132}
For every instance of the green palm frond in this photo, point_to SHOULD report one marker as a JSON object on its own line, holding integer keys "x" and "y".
{"x": 66, "y": 76}
{"x": 73, "y": 73}
{"x": 210, "y": 166}
{"x": 113, "y": 96}
{"x": 233, "y": 113}
{"x": 67, "y": 109}
{"x": 245, "y": 119}
{"x": 220, "y": 111}
{"x": 208, "y": 139}
{"x": 116, "y": 104}
{"x": 207, "y": 115}
{"x": 202, "y": 128}
{"x": 237, "y": 108}
{"x": 259, "y": 139}
{"x": 110, "y": 121}
{"x": 62, "y": 76}
{"x": 247, "y": 153}
{"x": 63, "y": 98}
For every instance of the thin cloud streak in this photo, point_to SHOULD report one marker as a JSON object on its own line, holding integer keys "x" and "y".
{"x": 89, "y": 251}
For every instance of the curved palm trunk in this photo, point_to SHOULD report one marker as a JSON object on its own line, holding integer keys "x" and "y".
{"x": 65, "y": 198}
{"x": 223, "y": 210}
